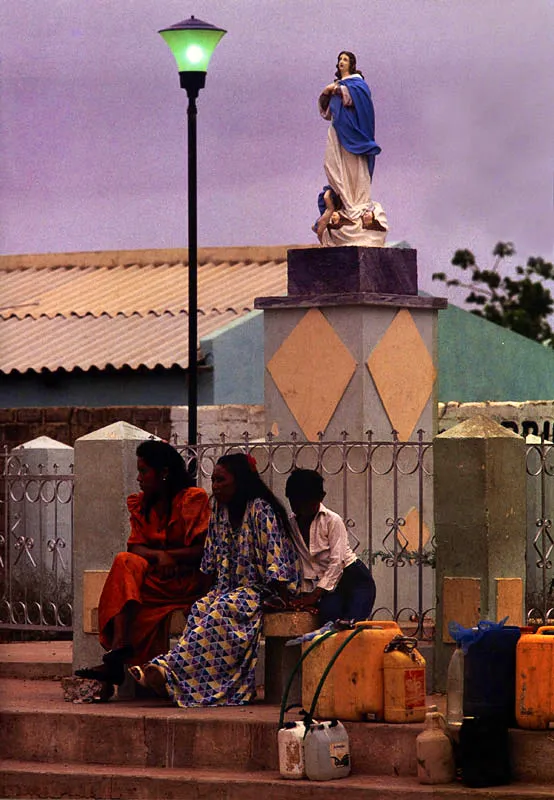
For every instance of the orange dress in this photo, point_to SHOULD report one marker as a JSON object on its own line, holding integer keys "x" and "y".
{"x": 131, "y": 578}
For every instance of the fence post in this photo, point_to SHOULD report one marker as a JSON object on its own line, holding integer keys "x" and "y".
{"x": 480, "y": 529}
{"x": 105, "y": 474}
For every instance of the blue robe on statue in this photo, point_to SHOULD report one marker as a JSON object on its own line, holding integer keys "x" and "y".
{"x": 355, "y": 124}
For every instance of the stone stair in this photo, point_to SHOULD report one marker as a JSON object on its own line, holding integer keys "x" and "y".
{"x": 146, "y": 748}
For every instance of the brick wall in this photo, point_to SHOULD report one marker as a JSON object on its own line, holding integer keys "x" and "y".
{"x": 20, "y": 425}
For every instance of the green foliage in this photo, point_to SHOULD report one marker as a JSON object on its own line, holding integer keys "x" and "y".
{"x": 522, "y": 304}
{"x": 412, "y": 557}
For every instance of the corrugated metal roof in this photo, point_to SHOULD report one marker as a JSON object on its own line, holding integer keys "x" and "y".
{"x": 132, "y": 313}
{"x": 85, "y": 342}
{"x": 136, "y": 289}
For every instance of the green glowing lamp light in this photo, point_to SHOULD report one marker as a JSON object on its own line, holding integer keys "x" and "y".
{"x": 192, "y": 43}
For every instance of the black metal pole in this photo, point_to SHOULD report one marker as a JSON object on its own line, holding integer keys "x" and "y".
{"x": 193, "y": 274}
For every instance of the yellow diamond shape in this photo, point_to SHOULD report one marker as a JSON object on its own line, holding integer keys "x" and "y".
{"x": 411, "y": 530}
{"x": 403, "y": 372}
{"x": 312, "y": 369}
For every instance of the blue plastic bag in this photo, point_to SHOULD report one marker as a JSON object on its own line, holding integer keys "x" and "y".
{"x": 468, "y": 636}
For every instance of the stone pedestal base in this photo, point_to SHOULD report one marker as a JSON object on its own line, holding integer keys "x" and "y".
{"x": 349, "y": 270}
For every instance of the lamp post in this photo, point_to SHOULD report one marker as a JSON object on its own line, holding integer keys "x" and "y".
{"x": 192, "y": 43}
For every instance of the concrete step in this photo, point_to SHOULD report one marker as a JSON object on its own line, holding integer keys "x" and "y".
{"x": 36, "y": 660}
{"x": 28, "y": 779}
{"x": 142, "y": 733}
{"x": 36, "y": 721}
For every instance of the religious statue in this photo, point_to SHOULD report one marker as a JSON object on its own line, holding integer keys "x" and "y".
{"x": 348, "y": 215}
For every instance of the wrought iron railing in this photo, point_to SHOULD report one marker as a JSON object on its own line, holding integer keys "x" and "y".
{"x": 373, "y": 484}
{"x": 540, "y": 541}
{"x": 36, "y": 532}
{"x": 382, "y": 489}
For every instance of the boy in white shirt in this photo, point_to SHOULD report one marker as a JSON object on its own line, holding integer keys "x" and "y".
{"x": 334, "y": 580}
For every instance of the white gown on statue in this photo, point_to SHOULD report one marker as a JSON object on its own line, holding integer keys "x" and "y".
{"x": 348, "y": 175}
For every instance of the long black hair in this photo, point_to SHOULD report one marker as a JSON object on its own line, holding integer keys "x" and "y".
{"x": 160, "y": 456}
{"x": 250, "y": 486}
{"x": 352, "y": 60}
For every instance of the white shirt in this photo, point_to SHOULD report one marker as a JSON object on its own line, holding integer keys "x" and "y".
{"x": 328, "y": 554}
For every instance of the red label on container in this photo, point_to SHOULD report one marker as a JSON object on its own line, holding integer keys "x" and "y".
{"x": 414, "y": 688}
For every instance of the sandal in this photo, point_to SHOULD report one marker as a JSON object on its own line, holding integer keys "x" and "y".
{"x": 138, "y": 674}
{"x": 151, "y": 677}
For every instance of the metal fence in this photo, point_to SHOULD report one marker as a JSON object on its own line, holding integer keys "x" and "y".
{"x": 382, "y": 489}
{"x": 36, "y": 532}
{"x": 540, "y": 506}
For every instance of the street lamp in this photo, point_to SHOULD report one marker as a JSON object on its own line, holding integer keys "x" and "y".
{"x": 192, "y": 43}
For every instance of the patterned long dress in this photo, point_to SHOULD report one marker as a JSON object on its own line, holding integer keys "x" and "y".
{"x": 214, "y": 661}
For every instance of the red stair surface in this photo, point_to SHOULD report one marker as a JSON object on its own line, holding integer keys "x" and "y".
{"x": 143, "y": 748}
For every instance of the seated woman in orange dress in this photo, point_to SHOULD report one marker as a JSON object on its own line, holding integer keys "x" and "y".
{"x": 160, "y": 572}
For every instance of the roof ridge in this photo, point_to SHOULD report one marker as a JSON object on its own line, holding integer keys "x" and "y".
{"x": 128, "y": 258}
{"x": 97, "y": 315}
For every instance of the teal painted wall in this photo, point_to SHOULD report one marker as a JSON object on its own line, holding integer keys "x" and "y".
{"x": 236, "y": 355}
{"x": 100, "y": 388}
{"x": 477, "y": 361}
{"x": 482, "y": 361}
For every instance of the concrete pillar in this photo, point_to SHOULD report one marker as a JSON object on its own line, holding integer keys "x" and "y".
{"x": 480, "y": 529}
{"x": 352, "y": 348}
{"x": 105, "y": 474}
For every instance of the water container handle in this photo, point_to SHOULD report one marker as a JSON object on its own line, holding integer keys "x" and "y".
{"x": 546, "y": 630}
{"x": 406, "y": 644}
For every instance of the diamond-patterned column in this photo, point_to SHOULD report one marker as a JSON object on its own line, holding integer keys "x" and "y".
{"x": 344, "y": 366}
{"x": 311, "y": 369}
{"x": 403, "y": 372}
{"x": 355, "y": 361}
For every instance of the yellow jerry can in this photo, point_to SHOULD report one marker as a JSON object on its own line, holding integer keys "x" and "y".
{"x": 404, "y": 681}
{"x": 353, "y": 689}
{"x": 535, "y": 679}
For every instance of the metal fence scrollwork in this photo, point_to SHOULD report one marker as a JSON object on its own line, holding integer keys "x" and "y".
{"x": 382, "y": 489}
{"x": 36, "y": 533}
{"x": 540, "y": 542}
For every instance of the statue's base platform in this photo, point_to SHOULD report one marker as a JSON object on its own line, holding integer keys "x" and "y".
{"x": 331, "y": 270}
{"x": 314, "y": 300}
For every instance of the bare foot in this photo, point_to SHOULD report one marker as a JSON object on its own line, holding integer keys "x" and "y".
{"x": 151, "y": 677}
{"x": 156, "y": 679}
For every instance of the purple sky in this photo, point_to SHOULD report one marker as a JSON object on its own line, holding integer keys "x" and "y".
{"x": 93, "y": 138}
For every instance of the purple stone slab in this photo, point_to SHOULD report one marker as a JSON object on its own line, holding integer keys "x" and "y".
{"x": 333, "y": 270}
{"x": 350, "y": 299}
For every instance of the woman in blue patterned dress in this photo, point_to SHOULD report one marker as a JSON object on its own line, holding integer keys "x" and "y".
{"x": 250, "y": 554}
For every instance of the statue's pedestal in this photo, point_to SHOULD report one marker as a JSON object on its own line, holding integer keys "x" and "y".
{"x": 347, "y": 270}
{"x": 344, "y": 354}
{"x": 352, "y": 348}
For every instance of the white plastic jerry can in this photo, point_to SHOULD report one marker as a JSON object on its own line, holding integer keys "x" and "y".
{"x": 327, "y": 751}
{"x": 290, "y": 744}
{"x": 435, "y": 759}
